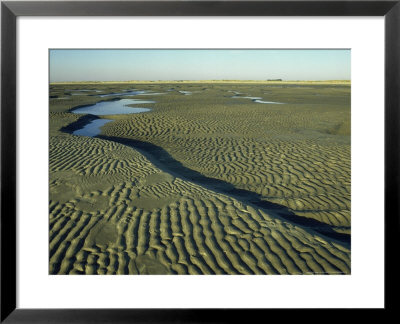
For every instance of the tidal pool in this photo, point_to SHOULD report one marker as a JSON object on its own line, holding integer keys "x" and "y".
{"x": 268, "y": 102}
{"x": 114, "y": 107}
{"x": 258, "y": 100}
{"x": 93, "y": 128}
{"x": 125, "y": 93}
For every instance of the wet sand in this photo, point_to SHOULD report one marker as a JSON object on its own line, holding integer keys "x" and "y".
{"x": 203, "y": 183}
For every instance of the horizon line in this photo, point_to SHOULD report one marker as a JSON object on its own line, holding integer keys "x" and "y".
{"x": 198, "y": 81}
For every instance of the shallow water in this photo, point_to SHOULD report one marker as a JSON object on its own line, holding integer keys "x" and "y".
{"x": 93, "y": 128}
{"x": 115, "y": 107}
{"x": 186, "y": 93}
{"x": 125, "y": 93}
{"x": 258, "y": 100}
{"x": 268, "y": 102}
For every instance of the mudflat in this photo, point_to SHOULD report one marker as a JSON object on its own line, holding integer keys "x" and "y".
{"x": 210, "y": 178}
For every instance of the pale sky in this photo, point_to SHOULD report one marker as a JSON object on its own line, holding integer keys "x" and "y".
{"x": 232, "y": 64}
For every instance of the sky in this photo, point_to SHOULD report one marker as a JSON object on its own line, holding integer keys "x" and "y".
{"x": 232, "y": 64}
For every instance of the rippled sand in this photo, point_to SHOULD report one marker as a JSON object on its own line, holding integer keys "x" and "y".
{"x": 204, "y": 184}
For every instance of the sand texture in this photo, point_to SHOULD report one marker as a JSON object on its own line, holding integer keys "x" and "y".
{"x": 204, "y": 183}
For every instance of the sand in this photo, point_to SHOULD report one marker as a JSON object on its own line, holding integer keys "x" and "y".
{"x": 204, "y": 184}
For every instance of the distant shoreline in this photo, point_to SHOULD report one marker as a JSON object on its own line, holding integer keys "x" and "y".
{"x": 343, "y": 82}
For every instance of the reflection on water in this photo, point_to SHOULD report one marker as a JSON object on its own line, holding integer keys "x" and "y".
{"x": 114, "y": 107}
{"x": 93, "y": 128}
{"x": 268, "y": 102}
{"x": 258, "y": 100}
{"x": 125, "y": 93}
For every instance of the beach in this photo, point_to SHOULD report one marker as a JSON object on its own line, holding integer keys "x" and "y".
{"x": 210, "y": 178}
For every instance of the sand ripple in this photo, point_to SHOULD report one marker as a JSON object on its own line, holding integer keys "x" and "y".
{"x": 101, "y": 229}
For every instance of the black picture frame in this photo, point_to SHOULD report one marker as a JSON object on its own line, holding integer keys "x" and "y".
{"x": 10, "y": 10}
